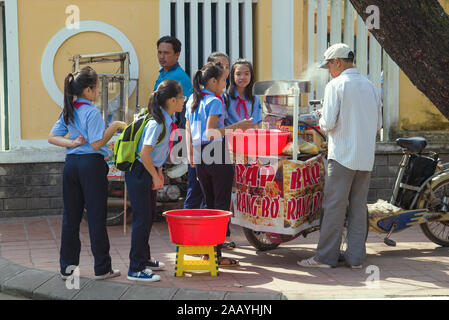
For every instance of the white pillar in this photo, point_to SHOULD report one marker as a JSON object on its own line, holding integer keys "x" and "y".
{"x": 164, "y": 24}
{"x": 348, "y": 36}
{"x": 283, "y": 39}
{"x": 248, "y": 30}
{"x": 390, "y": 98}
{"x": 2, "y": 92}
{"x": 180, "y": 30}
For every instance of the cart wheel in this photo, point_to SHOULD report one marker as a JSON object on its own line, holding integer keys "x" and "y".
{"x": 259, "y": 240}
{"x": 115, "y": 216}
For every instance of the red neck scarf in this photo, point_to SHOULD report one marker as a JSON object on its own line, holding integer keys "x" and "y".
{"x": 173, "y": 129}
{"x": 242, "y": 102}
{"x": 77, "y": 104}
{"x": 208, "y": 94}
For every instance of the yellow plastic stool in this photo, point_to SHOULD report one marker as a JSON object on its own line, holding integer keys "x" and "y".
{"x": 183, "y": 265}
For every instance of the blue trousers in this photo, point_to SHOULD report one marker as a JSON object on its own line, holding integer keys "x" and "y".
{"x": 195, "y": 197}
{"x": 143, "y": 202}
{"x": 85, "y": 185}
{"x": 216, "y": 181}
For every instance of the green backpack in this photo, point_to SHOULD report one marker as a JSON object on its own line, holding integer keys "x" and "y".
{"x": 126, "y": 145}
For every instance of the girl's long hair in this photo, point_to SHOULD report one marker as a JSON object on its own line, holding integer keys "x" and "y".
{"x": 208, "y": 71}
{"x": 214, "y": 56}
{"x": 166, "y": 90}
{"x": 249, "y": 88}
{"x": 74, "y": 85}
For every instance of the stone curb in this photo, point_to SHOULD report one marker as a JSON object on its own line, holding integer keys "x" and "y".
{"x": 45, "y": 285}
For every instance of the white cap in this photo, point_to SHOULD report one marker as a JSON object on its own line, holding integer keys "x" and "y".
{"x": 338, "y": 50}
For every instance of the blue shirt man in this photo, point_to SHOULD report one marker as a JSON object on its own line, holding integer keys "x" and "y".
{"x": 168, "y": 51}
{"x": 178, "y": 74}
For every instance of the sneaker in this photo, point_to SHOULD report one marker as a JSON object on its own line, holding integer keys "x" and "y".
{"x": 65, "y": 277}
{"x": 144, "y": 275}
{"x": 110, "y": 274}
{"x": 353, "y": 266}
{"x": 312, "y": 263}
{"x": 155, "y": 265}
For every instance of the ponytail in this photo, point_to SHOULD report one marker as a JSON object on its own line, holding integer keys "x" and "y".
{"x": 201, "y": 78}
{"x": 166, "y": 90}
{"x": 154, "y": 108}
{"x": 74, "y": 85}
{"x": 155, "y": 111}
{"x": 68, "y": 99}
{"x": 197, "y": 95}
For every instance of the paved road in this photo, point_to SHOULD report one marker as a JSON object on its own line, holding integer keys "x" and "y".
{"x": 4, "y": 296}
{"x": 414, "y": 268}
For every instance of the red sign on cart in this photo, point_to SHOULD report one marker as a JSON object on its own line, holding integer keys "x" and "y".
{"x": 282, "y": 197}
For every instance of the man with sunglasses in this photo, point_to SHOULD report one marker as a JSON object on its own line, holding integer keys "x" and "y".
{"x": 351, "y": 116}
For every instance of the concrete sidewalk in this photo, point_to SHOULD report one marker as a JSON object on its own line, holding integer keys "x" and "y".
{"x": 29, "y": 255}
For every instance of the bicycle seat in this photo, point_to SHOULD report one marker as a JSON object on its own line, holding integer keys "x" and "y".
{"x": 415, "y": 144}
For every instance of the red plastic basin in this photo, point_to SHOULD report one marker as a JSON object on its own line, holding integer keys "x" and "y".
{"x": 200, "y": 227}
{"x": 258, "y": 142}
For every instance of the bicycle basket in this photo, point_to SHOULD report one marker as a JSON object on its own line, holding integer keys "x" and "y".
{"x": 418, "y": 170}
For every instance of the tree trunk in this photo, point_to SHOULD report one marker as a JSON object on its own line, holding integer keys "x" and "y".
{"x": 415, "y": 33}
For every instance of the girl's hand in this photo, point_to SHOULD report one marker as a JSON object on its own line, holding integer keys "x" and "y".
{"x": 78, "y": 141}
{"x": 190, "y": 157}
{"x": 157, "y": 183}
{"x": 245, "y": 124}
{"x": 119, "y": 125}
{"x": 161, "y": 176}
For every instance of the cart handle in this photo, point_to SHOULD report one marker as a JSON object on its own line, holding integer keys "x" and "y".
{"x": 313, "y": 128}
{"x": 315, "y": 102}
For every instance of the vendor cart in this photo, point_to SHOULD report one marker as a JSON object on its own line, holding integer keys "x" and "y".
{"x": 278, "y": 197}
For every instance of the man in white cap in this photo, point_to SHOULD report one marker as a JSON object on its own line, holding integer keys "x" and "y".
{"x": 351, "y": 116}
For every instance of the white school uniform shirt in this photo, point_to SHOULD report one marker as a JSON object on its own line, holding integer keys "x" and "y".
{"x": 351, "y": 115}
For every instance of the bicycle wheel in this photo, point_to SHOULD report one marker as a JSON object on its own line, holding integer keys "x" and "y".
{"x": 259, "y": 240}
{"x": 437, "y": 231}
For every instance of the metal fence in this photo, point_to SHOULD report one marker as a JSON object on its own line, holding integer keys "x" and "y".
{"x": 204, "y": 26}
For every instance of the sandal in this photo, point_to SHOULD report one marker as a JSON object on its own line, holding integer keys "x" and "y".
{"x": 228, "y": 245}
{"x": 312, "y": 263}
{"x": 230, "y": 262}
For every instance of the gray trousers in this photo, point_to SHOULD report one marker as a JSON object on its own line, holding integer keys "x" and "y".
{"x": 345, "y": 191}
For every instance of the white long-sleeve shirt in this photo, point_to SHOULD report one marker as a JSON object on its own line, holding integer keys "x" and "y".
{"x": 351, "y": 115}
